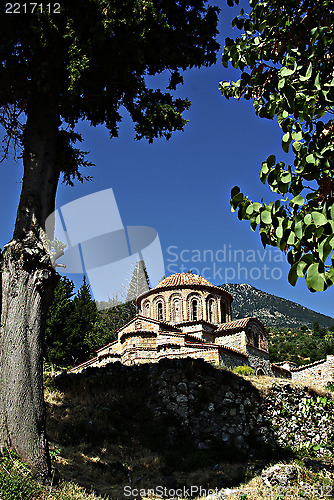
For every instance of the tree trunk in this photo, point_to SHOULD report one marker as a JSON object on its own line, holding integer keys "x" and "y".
{"x": 28, "y": 282}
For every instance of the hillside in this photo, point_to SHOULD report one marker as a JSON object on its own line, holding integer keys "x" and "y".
{"x": 177, "y": 429}
{"x": 270, "y": 309}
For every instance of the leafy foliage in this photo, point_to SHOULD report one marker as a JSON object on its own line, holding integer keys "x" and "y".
{"x": 243, "y": 370}
{"x": 285, "y": 55}
{"x": 95, "y": 62}
{"x": 301, "y": 346}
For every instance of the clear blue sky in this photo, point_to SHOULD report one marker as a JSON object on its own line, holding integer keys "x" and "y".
{"x": 181, "y": 187}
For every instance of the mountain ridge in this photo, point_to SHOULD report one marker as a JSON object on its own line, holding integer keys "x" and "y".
{"x": 271, "y": 309}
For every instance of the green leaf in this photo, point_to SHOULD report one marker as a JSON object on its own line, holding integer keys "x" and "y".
{"x": 264, "y": 172}
{"x": 301, "y": 268}
{"x": 223, "y": 85}
{"x": 310, "y": 158}
{"x": 317, "y": 82}
{"x": 266, "y": 217}
{"x": 319, "y": 219}
{"x": 297, "y": 146}
{"x": 235, "y": 201}
{"x": 330, "y": 240}
{"x": 285, "y": 145}
{"x": 271, "y": 160}
{"x": 281, "y": 243}
{"x": 289, "y": 93}
{"x": 325, "y": 248}
{"x": 319, "y": 231}
{"x": 308, "y": 74}
{"x": 292, "y": 276}
{"x": 298, "y": 228}
{"x": 286, "y": 177}
{"x": 309, "y": 232}
{"x": 235, "y": 190}
{"x": 286, "y": 71}
{"x": 330, "y": 276}
{"x": 297, "y": 136}
{"x": 291, "y": 239}
{"x": 315, "y": 278}
{"x": 308, "y": 219}
{"x": 297, "y": 200}
{"x": 281, "y": 83}
{"x": 249, "y": 209}
{"x": 332, "y": 212}
{"x": 256, "y": 206}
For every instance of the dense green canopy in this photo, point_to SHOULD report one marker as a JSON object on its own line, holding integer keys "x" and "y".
{"x": 95, "y": 57}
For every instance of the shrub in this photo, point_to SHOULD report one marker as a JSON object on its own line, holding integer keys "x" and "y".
{"x": 243, "y": 370}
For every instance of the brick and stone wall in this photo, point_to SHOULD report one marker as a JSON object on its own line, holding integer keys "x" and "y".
{"x": 231, "y": 360}
{"x": 235, "y": 341}
{"x": 318, "y": 373}
{"x": 259, "y": 361}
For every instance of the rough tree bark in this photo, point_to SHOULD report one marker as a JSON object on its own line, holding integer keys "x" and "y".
{"x": 28, "y": 282}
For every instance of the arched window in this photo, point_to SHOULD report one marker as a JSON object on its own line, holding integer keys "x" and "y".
{"x": 211, "y": 314}
{"x": 194, "y": 309}
{"x": 147, "y": 310}
{"x": 223, "y": 307}
{"x": 176, "y": 309}
{"x": 160, "y": 311}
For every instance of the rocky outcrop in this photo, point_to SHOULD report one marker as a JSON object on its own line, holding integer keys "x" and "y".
{"x": 272, "y": 310}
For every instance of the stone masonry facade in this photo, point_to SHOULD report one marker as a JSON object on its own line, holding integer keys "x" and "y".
{"x": 186, "y": 316}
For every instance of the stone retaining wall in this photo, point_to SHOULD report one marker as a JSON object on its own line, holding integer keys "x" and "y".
{"x": 318, "y": 373}
{"x": 216, "y": 408}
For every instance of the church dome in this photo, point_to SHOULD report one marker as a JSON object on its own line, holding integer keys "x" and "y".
{"x": 181, "y": 279}
{"x": 186, "y": 297}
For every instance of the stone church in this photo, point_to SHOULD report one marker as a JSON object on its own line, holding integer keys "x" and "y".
{"x": 186, "y": 316}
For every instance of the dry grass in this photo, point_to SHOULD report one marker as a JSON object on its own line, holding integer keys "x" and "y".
{"x": 264, "y": 383}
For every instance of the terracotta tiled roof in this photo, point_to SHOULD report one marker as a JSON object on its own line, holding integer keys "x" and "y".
{"x": 180, "y": 279}
{"x": 83, "y": 365}
{"x": 236, "y": 325}
{"x": 140, "y": 317}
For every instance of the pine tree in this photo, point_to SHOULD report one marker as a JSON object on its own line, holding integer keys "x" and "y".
{"x": 56, "y": 345}
{"x": 139, "y": 282}
{"x": 84, "y": 320}
{"x": 117, "y": 316}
